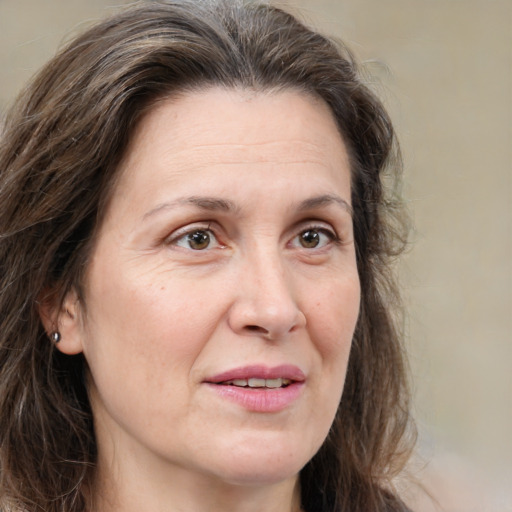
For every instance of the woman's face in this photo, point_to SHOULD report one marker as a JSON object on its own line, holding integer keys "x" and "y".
{"x": 222, "y": 292}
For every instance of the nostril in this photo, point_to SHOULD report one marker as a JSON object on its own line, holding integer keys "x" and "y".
{"x": 256, "y": 328}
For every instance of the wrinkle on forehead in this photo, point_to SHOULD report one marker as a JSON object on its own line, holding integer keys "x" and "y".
{"x": 217, "y": 129}
{"x": 192, "y": 132}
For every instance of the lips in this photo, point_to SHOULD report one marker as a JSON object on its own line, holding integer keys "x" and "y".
{"x": 255, "y": 382}
{"x": 259, "y": 388}
{"x": 259, "y": 376}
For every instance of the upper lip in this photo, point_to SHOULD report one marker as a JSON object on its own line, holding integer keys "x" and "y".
{"x": 285, "y": 371}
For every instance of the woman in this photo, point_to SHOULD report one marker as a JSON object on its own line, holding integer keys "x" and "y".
{"x": 195, "y": 297}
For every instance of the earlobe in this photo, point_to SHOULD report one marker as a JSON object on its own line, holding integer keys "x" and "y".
{"x": 62, "y": 322}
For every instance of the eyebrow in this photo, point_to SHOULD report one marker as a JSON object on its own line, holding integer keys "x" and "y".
{"x": 202, "y": 202}
{"x": 324, "y": 200}
{"x": 224, "y": 205}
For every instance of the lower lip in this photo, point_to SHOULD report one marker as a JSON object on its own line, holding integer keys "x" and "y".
{"x": 260, "y": 399}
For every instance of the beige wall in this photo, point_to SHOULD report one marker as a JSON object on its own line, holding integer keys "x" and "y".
{"x": 444, "y": 68}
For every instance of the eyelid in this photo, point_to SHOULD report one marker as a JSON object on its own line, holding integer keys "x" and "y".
{"x": 182, "y": 232}
{"x": 320, "y": 226}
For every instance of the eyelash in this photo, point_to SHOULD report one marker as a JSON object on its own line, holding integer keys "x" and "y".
{"x": 182, "y": 235}
{"x": 330, "y": 234}
{"x": 175, "y": 238}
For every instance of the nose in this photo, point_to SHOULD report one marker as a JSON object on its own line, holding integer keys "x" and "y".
{"x": 265, "y": 304}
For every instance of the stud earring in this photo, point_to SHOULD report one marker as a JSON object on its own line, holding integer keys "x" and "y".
{"x": 55, "y": 336}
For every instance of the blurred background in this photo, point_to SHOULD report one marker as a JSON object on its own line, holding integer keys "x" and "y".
{"x": 444, "y": 70}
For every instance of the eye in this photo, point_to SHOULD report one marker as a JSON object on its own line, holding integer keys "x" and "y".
{"x": 197, "y": 240}
{"x": 314, "y": 238}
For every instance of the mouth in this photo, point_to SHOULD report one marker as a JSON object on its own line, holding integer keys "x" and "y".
{"x": 259, "y": 376}
{"x": 257, "y": 383}
{"x": 260, "y": 388}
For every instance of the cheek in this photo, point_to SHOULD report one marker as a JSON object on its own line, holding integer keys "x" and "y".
{"x": 153, "y": 329}
{"x": 335, "y": 317}
{"x": 332, "y": 319}
{"x": 147, "y": 300}
{"x": 142, "y": 343}
{"x": 335, "y": 311}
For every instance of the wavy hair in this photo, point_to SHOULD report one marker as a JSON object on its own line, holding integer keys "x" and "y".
{"x": 59, "y": 153}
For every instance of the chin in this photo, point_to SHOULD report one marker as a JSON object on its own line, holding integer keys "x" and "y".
{"x": 253, "y": 475}
{"x": 261, "y": 465}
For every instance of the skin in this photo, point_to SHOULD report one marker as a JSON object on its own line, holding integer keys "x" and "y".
{"x": 162, "y": 317}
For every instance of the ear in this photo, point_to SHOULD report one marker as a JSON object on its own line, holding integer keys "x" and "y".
{"x": 64, "y": 319}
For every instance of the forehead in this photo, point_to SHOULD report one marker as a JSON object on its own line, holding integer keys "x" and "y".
{"x": 207, "y": 134}
{"x": 243, "y": 108}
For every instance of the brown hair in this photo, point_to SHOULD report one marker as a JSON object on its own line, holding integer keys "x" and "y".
{"x": 59, "y": 155}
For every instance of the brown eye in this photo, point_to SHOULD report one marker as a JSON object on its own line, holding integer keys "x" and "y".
{"x": 198, "y": 240}
{"x": 309, "y": 239}
{"x": 314, "y": 238}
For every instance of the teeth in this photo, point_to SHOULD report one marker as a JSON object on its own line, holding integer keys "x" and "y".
{"x": 256, "y": 383}
{"x": 260, "y": 383}
{"x": 274, "y": 383}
